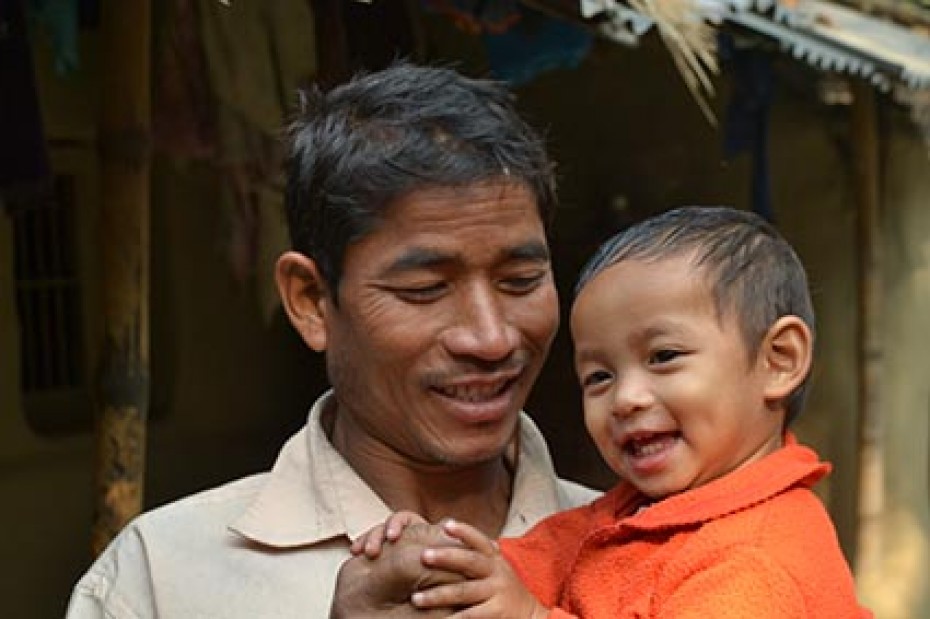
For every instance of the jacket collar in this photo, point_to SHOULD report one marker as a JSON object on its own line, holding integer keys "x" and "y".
{"x": 790, "y": 466}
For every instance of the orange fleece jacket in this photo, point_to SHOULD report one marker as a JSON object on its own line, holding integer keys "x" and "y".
{"x": 756, "y": 543}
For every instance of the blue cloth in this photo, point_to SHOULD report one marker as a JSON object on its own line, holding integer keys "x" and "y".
{"x": 60, "y": 19}
{"x": 746, "y": 125}
{"x": 520, "y": 43}
{"x": 63, "y": 19}
{"x": 478, "y": 15}
{"x": 536, "y": 44}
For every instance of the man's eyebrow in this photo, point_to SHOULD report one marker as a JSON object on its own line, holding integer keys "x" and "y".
{"x": 417, "y": 258}
{"x": 422, "y": 258}
{"x": 532, "y": 251}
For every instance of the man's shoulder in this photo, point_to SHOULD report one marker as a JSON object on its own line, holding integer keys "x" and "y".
{"x": 572, "y": 494}
{"x": 185, "y": 527}
{"x": 218, "y": 505}
{"x": 184, "y": 560}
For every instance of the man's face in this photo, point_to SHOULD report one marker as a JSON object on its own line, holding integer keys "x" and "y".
{"x": 446, "y": 312}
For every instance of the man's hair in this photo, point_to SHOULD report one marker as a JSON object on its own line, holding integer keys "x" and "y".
{"x": 365, "y": 143}
{"x": 752, "y": 269}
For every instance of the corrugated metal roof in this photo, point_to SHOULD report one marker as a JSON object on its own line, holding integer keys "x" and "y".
{"x": 888, "y": 45}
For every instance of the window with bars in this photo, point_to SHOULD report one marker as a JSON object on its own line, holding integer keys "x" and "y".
{"x": 48, "y": 291}
{"x": 49, "y": 308}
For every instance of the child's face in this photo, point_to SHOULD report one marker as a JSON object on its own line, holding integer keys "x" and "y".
{"x": 670, "y": 396}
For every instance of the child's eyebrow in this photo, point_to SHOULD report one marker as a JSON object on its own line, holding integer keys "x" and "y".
{"x": 662, "y": 327}
{"x": 656, "y": 330}
{"x": 585, "y": 354}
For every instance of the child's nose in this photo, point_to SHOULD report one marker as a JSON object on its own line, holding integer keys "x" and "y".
{"x": 633, "y": 394}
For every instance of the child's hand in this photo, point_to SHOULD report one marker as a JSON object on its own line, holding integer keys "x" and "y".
{"x": 491, "y": 589}
{"x": 370, "y": 543}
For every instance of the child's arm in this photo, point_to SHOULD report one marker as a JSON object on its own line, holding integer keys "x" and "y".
{"x": 491, "y": 589}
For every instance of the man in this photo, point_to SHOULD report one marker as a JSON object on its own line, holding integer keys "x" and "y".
{"x": 417, "y": 202}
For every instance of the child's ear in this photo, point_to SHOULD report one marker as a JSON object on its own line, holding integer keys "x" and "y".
{"x": 304, "y": 297}
{"x": 786, "y": 354}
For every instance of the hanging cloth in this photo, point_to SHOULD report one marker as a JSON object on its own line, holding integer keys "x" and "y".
{"x": 746, "y": 126}
{"x": 520, "y": 42}
{"x": 23, "y": 156}
{"x": 534, "y": 45}
{"x": 63, "y": 20}
{"x": 477, "y": 16}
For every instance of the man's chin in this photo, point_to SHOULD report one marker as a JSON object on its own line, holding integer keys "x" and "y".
{"x": 476, "y": 450}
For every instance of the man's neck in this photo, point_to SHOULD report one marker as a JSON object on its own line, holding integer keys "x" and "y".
{"x": 478, "y": 494}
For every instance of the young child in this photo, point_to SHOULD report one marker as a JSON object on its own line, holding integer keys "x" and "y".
{"x": 693, "y": 336}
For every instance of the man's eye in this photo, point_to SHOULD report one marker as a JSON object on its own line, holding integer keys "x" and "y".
{"x": 664, "y": 355}
{"x": 421, "y": 294}
{"x": 522, "y": 283}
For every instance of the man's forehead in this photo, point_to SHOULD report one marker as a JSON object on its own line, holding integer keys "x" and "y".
{"x": 450, "y": 201}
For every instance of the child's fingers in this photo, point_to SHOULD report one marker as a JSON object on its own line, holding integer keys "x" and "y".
{"x": 469, "y": 536}
{"x": 465, "y": 593}
{"x": 399, "y": 521}
{"x": 469, "y": 563}
{"x": 375, "y": 541}
{"x": 369, "y": 543}
{"x": 358, "y": 544}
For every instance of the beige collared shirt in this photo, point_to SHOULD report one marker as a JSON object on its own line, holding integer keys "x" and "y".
{"x": 271, "y": 545}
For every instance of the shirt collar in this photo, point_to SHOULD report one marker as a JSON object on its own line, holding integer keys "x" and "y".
{"x": 312, "y": 493}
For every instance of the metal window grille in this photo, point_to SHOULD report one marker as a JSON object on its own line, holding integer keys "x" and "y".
{"x": 48, "y": 293}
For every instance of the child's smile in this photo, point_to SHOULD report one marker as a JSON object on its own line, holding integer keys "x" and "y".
{"x": 648, "y": 451}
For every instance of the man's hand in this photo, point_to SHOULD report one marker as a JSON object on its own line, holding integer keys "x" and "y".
{"x": 382, "y": 587}
{"x": 492, "y": 589}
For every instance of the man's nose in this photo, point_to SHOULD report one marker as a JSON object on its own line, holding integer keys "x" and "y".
{"x": 481, "y": 327}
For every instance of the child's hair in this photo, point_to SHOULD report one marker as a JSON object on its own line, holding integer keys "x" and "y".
{"x": 752, "y": 269}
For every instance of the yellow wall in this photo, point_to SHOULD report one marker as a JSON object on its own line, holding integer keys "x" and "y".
{"x": 896, "y": 585}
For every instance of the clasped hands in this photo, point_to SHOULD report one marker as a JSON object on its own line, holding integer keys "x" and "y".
{"x": 407, "y": 567}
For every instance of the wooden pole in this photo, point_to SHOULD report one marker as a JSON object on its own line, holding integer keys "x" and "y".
{"x": 123, "y": 140}
{"x": 864, "y": 132}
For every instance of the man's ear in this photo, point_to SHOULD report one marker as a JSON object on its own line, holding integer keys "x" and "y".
{"x": 304, "y": 296}
{"x": 786, "y": 353}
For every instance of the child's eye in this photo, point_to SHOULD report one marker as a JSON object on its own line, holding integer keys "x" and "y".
{"x": 664, "y": 355}
{"x": 592, "y": 379}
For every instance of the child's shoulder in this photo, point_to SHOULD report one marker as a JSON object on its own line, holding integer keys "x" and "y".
{"x": 788, "y": 539}
{"x": 794, "y": 514}
{"x": 791, "y": 532}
